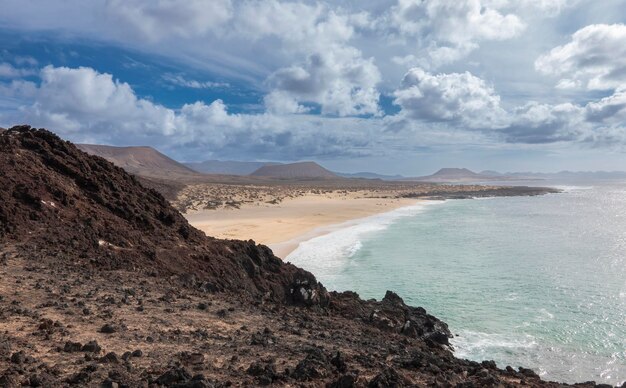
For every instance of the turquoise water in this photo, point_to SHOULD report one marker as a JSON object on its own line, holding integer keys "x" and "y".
{"x": 538, "y": 282}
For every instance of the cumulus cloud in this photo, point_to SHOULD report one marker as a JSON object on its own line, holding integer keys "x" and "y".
{"x": 85, "y": 105}
{"x": 341, "y": 81}
{"x": 9, "y": 71}
{"x": 608, "y": 109}
{"x": 333, "y": 73}
{"x": 537, "y": 123}
{"x": 595, "y": 58}
{"x": 158, "y": 19}
{"x": 295, "y": 22}
{"x": 322, "y": 56}
{"x": 546, "y": 7}
{"x": 450, "y": 30}
{"x": 18, "y": 89}
{"x": 455, "y": 97}
{"x": 466, "y": 101}
{"x": 75, "y": 99}
{"x": 304, "y": 52}
{"x": 280, "y": 102}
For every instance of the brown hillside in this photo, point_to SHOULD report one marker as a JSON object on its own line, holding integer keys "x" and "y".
{"x": 144, "y": 161}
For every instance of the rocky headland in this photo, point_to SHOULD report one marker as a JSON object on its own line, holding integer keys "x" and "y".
{"x": 104, "y": 283}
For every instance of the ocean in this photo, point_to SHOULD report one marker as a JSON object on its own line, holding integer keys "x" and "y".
{"x": 538, "y": 282}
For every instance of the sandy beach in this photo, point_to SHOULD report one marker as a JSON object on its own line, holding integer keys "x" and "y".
{"x": 283, "y": 226}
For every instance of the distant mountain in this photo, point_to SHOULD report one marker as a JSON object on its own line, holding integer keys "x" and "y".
{"x": 369, "y": 175}
{"x": 295, "y": 171}
{"x": 145, "y": 161}
{"x": 227, "y": 167}
{"x": 491, "y": 173}
{"x": 454, "y": 175}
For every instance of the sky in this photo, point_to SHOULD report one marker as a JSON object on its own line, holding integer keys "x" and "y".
{"x": 387, "y": 86}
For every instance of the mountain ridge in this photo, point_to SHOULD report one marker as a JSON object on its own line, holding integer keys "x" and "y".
{"x": 296, "y": 170}
{"x": 452, "y": 174}
{"x": 140, "y": 160}
{"x": 227, "y": 167}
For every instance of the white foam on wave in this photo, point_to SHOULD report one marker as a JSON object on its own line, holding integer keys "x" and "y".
{"x": 478, "y": 346}
{"x": 569, "y": 189}
{"x": 330, "y": 252}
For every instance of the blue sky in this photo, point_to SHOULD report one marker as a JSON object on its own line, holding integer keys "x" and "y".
{"x": 393, "y": 86}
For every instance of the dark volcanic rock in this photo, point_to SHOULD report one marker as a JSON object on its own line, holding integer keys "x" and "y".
{"x": 72, "y": 347}
{"x": 74, "y": 206}
{"x": 108, "y": 329}
{"x": 174, "y": 376}
{"x": 345, "y": 381}
{"x": 18, "y": 357}
{"x": 339, "y": 362}
{"x": 392, "y": 314}
{"x": 388, "y": 378}
{"x": 91, "y": 347}
{"x": 265, "y": 373}
{"x": 314, "y": 366}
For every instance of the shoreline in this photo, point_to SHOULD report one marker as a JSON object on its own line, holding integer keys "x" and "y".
{"x": 284, "y": 226}
{"x": 285, "y": 248}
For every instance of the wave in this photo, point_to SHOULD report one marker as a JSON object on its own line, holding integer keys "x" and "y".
{"x": 476, "y": 345}
{"x": 330, "y": 252}
{"x": 569, "y": 189}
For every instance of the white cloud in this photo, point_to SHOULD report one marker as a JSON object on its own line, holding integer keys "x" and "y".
{"x": 280, "y": 102}
{"x": 537, "y": 123}
{"x": 18, "y": 89}
{"x": 335, "y": 56}
{"x": 179, "y": 80}
{"x": 9, "y": 71}
{"x": 25, "y": 60}
{"x": 293, "y": 22}
{"x": 341, "y": 47}
{"x": 83, "y": 99}
{"x": 87, "y": 106}
{"x": 449, "y": 30}
{"x": 454, "y": 97}
{"x": 595, "y": 58}
{"x": 159, "y": 19}
{"x": 333, "y": 73}
{"x": 546, "y": 7}
{"x": 610, "y": 109}
{"x": 341, "y": 81}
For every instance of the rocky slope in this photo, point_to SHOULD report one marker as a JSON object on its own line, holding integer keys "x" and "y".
{"x": 66, "y": 205}
{"x": 105, "y": 284}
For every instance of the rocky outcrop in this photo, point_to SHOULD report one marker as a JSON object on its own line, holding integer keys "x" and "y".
{"x": 59, "y": 203}
{"x": 392, "y": 314}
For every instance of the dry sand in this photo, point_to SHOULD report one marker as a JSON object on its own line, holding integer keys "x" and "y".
{"x": 285, "y": 225}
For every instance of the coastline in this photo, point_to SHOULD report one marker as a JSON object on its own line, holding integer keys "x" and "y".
{"x": 285, "y": 225}
{"x": 289, "y": 246}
